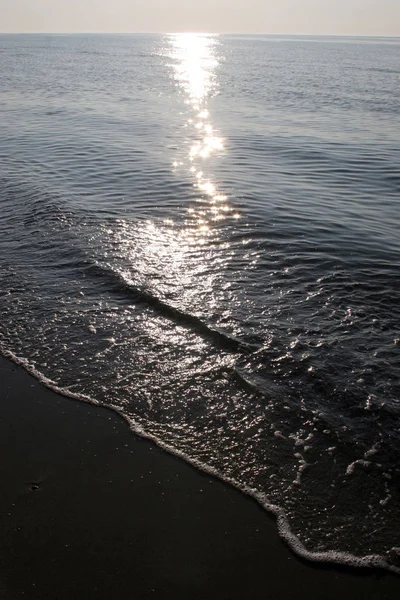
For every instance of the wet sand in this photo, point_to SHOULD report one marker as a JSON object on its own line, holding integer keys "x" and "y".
{"x": 90, "y": 511}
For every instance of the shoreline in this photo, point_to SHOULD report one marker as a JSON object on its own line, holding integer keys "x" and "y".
{"x": 90, "y": 510}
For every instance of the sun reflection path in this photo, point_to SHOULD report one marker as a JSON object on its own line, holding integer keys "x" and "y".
{"x": 183, "y": 263}
{"x": 194, "y": 69}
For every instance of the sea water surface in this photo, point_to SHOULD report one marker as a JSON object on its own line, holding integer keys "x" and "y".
{"x": 202, "y": 232}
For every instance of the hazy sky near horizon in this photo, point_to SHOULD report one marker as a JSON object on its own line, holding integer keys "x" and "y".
{"x": 336, "y": 17}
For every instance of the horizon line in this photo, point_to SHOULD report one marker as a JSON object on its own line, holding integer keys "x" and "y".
{"x": 363, "y": 35}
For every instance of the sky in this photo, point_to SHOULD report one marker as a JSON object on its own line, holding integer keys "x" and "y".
{"x": 319, "y": 17}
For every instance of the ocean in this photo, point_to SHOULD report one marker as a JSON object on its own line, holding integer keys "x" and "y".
{"x": 201, "y": 232}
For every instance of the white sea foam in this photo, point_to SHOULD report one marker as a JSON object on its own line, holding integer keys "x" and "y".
{"x": 372, "y": 451}
{"x": 351, "y": 467}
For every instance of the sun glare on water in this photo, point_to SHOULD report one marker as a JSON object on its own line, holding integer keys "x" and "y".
{"x": 195, "y": 61}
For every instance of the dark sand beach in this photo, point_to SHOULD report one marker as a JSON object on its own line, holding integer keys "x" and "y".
{"x": 89, "y": 510}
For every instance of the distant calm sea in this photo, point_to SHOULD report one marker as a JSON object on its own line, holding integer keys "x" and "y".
{"x": 202, "y": 232}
